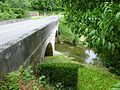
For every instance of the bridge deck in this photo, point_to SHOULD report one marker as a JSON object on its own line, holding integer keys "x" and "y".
{"x": 12, "y": 33}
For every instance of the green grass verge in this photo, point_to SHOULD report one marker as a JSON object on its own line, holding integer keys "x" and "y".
{"x": 92, "y": 78}
{"x": 89, "y": 77}
{"x": 59, "y": 59}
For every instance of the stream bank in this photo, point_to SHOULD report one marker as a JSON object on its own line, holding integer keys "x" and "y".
{"x": 80, "y": 54}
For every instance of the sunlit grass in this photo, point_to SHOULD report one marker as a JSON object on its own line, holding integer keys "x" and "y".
{"x": 59, "y": 59}
{"x": 89, "y": 77}
{"x": 93, "y": 78}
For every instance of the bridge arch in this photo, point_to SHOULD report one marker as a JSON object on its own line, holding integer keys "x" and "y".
{"x": 49, "y": 50}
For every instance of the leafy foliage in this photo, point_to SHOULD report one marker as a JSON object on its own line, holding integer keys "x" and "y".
{"x": 22, "y": 4}
{"x": 6, "y": 12}
{"x": 12, "y": 9}
{"x": 23, "y": 79}
{"x": 116, "y": 86}
{"x": 2, "y": 1}
{"x": 99, "y": 22}
{"x": 46, "y": 5}
{"x": 66, "y": 35}
{"x": 20, "y": 13}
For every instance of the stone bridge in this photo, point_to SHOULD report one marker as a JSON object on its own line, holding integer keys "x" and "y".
{"x": 26, "y": 41}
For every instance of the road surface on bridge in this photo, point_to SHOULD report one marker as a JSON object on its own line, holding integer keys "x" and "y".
{"x": 14, "y": 31}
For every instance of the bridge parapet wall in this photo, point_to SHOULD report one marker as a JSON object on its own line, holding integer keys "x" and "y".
{"x": 29, "y": 49}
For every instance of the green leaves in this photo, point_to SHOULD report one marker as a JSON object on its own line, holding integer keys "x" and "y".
{"x": 46, "y": 5}
{"x": 117, "y": 44}
{"x": 13, "y": 9}
{"x": 98, "y": 41}
{"x": 118, "y": 15}
{"x": 92, "y": 33}
{"x": 103, "y": 41}
{"x": 98, "y": 24}
{"x": 116, "y": 86}
{"x": 111, "y": 47}
{"x": 23, "y": 4}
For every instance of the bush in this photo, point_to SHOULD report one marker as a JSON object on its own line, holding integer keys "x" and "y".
{"x": 20, "y": 13}
{"x": 23, "y": 79}
{"x": 66, "y": 35}
{"x": 6, "y": 12}
{"x": 64, "y": 73}
{"x": 95, "y": 79}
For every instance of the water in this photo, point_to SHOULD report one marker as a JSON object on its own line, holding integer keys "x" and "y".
{"x": 79, "y": 54}
{"x": 91, "y": 56}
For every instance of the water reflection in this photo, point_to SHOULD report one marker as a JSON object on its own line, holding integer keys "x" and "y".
{"x": 77, "y": 53}
{"x": 91, "y": 56}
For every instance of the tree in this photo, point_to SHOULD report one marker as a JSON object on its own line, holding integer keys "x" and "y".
{"x": 6, "y": 12}
{"x": 23, "y": 4}
{"x": 48, "y": 5}
{"x": 99, "y": 22}
{"x": 2, "y": 1}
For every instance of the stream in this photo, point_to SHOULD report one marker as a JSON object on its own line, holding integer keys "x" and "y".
{"x": 77, "y": 53}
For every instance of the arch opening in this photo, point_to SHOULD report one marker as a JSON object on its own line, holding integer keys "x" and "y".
{"x": 49, "y": 50}
{"x": 56, "y": 34}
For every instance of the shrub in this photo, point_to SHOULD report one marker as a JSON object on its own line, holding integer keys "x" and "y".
{"x": 66, "y": 35}
{"x": 20, "y": 13}
{"x": 95, "y": 79}
{"x": 6, "y": 12}
{"x": 64, "y": 73}
{"x": 24, "y": 79}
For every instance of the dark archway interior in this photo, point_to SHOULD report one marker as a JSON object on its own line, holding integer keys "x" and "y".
{"x": 56, "y": 34}
{"x": 49, "y": 50}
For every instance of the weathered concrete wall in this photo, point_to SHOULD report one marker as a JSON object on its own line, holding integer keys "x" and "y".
{"x": 29, "y": 49}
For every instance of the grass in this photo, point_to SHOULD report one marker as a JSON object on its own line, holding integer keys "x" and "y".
{"x": 89, "y": 77}
{"x": 59, "y": 59}
{"x": 93, "y": 78}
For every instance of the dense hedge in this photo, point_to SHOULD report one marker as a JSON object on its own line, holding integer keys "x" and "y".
{"x": 64, "y": 73}
{"x": 95, "y": 79}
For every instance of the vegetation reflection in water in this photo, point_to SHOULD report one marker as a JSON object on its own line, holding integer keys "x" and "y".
{"x": 79, "y": 54}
